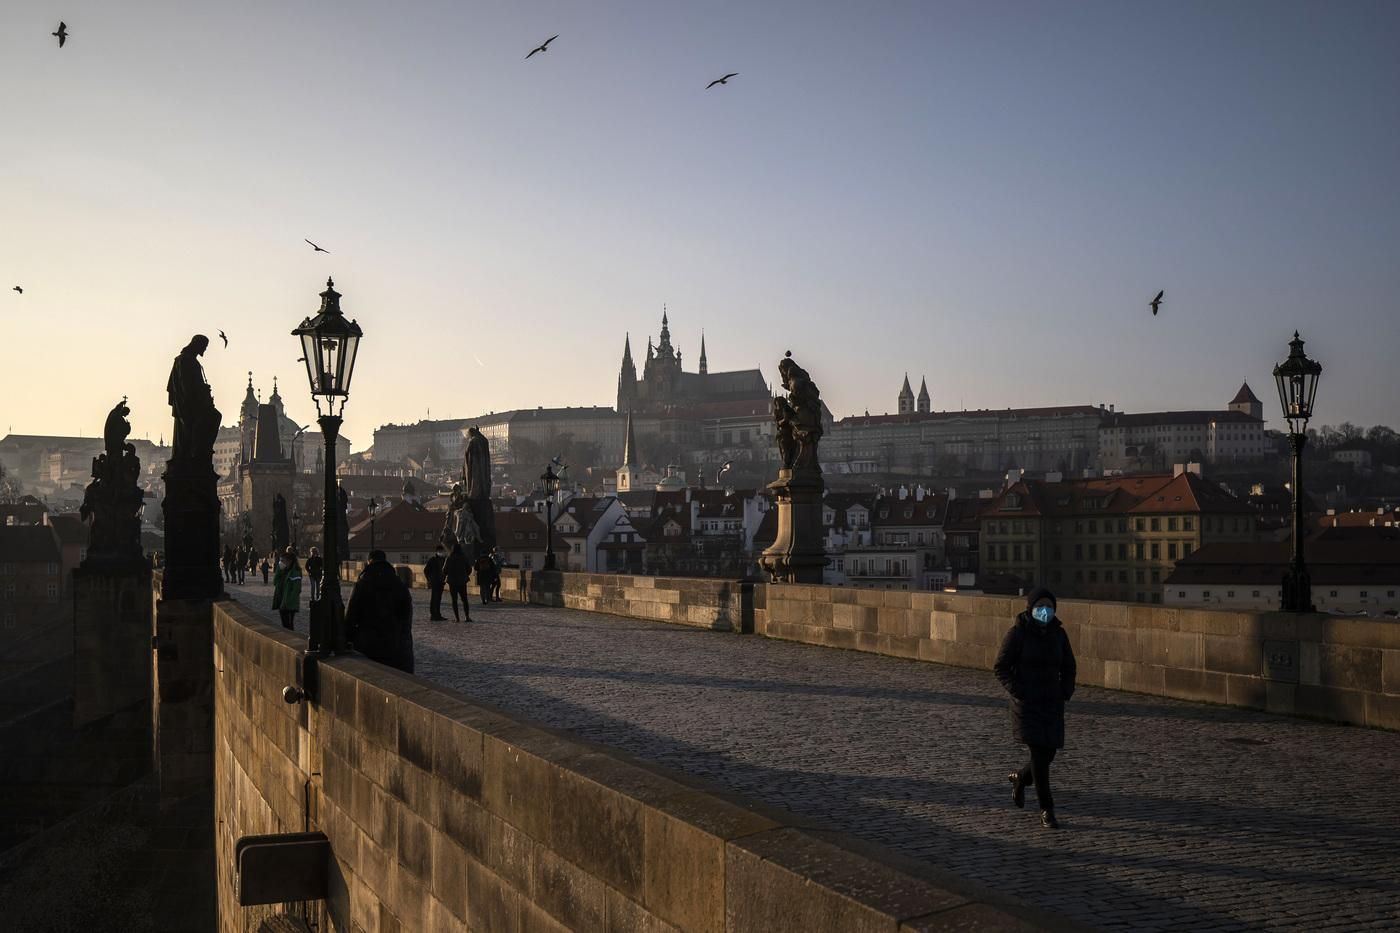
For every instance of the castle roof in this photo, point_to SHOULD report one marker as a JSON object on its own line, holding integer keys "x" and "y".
{"x": 1244, "y": 395}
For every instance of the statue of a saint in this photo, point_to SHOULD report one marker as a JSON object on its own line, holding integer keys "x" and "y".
{"x": 460, "y": 527}
{"x": 192, "y": 403}
{"x": 798, "y": 417}
{"x": 112, "y": 501}
{"x": 476, "y": 478}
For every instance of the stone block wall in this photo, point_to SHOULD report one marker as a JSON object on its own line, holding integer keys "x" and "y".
{"x": 111, "y": 643}
{"x": 445, "y": 815}
{"x": 717, "y": 604}
{"x": 1327, "y": 667}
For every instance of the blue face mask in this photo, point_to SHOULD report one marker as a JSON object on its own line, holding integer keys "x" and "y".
{"x": 1043, "y": 614}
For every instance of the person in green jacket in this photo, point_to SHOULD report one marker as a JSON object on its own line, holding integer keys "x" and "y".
{"x": 286, "y": 587}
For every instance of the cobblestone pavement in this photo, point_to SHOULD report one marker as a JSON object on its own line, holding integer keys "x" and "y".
{"x": 1174, "y": 815}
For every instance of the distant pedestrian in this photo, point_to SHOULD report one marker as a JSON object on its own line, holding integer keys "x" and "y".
{"x": 459, "y": 573}
{"x": 315, "y": 566}
{"x": 499, "y": 559}
{"x": 286, "y": 587}
{"x": 485, "y": 576}
{"x": 253, "y": 562}
{"x": 435, "y": 574}
{"x": 379, "y": 618}
{"x": 265, "y": 568}
{"x": 1036, "y": 666}
{"x": 240, "y": 563}
{"x": 228, "y": 564}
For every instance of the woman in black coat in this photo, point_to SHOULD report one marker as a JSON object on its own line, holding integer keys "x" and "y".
{"x": 1036, "y": 666}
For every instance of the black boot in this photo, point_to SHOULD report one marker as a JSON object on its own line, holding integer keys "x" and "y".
{"x": 1018, "y": 790}
{"x": 1047, "y": 819}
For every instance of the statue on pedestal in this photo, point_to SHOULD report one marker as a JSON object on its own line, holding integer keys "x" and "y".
{"x": 798, "y": 417}
{"x": 460, "y": 526}
{"x": 476, "y": 477}
{"x": 112, "y": 501}
{"x": 191, "y": 499}
{"x": 797, "y": 554}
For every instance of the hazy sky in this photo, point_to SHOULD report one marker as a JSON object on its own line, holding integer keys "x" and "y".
{"x": 986, "y": 193}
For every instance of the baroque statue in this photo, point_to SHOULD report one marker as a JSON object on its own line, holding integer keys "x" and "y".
{"x": 798, "y": 417}
{"x": 476, "y": 480}
{"x": 112, "y": 501}
{"x": 192, "y": 403}
{"x": 460, "y": 526}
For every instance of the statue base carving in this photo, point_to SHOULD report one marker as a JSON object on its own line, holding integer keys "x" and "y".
{"x": 798, "y": 554}
{"x": 192, "y": 512}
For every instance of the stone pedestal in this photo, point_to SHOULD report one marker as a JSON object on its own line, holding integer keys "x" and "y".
{"x": 182, "y": 711}
{"x": 112, "y": 641}
{"x": 191, "y": 506}
{"x": 797, "y": 555}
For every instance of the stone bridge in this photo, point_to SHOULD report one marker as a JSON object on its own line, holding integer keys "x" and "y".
{"x": 1175, "y": 814}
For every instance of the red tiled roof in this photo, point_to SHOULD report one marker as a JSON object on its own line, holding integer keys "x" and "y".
{"x": 1329, "y": 562}
{"x": 1063, "y": 411}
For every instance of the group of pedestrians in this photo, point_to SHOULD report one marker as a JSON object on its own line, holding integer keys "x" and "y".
{"x": 240, "y": 562}
{"x": 452, "y": 572}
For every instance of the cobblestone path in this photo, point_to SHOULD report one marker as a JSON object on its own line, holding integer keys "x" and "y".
{"x": 1175, "y": 816}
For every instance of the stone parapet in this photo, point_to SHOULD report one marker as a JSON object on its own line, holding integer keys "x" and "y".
{"x": 444, "y": 815}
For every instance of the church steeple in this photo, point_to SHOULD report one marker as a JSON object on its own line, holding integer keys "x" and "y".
{"x": 906, "y": 397}
{"x": 629, "y": 445}
{"x": 924, "y": 400}
{"x": 704, "y": 363}
{"x": 626, "y": 377}
{"x": 629, "y": 473}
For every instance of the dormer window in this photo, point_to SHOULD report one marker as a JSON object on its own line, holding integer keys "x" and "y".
{"x": 1013, "y": 500}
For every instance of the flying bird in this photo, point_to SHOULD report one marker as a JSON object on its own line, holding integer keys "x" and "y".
{"x": 224, "y": 339}
{"x": 18, "y": 289}
{"x": 62, "y": 33}
{"x": 1155, "y": 302}
{"x": 728, "y": 465}
{"x": 301, "y": 359}
{"x": 544, "y": 47}
{"x": 317, "y": 248}
{"x": 724, "y": 80}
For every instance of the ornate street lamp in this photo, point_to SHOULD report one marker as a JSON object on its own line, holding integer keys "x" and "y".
{"x": 1297, "y": 379}
{"x": 373, "y": 513}
{"x": 296, "y": 528}
{"x": 551, "y": 487}
{"x": 328, "y": 344}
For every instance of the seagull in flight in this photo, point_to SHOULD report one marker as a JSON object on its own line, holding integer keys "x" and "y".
{"x": 224, "y": 339}
{"x": 317, "y": 248}
{"x": 62, "y": 33}
{"x": 724, "y": 80}
{"x": 544, "y": 47}
{"x": 1155, "y": 302}
{"x": 18, "y": 289}
{"x": 728, "y": 465}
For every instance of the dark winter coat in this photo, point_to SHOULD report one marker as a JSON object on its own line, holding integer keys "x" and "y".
{"x": 315, "y": 566}
{"x": 457, "y": 568}
{"x": 434, "y": 572}
{"x": 379, "y": 619}
{"x": 1036, "y": 666}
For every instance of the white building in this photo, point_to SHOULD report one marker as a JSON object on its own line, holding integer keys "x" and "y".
{"x": 1155, "y": 440}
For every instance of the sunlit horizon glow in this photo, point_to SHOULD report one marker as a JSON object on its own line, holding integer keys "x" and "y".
{"x": 984, "y": 194}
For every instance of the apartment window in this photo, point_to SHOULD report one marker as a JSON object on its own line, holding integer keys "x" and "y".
{"x": 405, "y": 558}
{"x": 1079, "y": 552}
{"x": 1171, "y": 551}
{"x": 1185, "y": 548}
{"x": 1030, "y": 552}
{"x": 1123, "y": 525}
{"x": 1079, "y": 528}
{"x": 1093, "y": 526}
{"x": 1255, "y": 594}
{"x": 1363, "y": 594}
{"x": 1093, "y": 552}
{"x": 1141, "y": 548}
{"x": 1122, "y": 552}
{"x": 1016, "y": 552}
{"x": 1156, "y": 597}
{"x": 1156, "y": 575}
{"x": 1056, "y": 553}
{"x": 1093, "y": 576}
{"x": 1180, "y": 594}
{"x": 1188, "y": 523}
{"x": 1390, "y": 593}
{"x": 1018, "y": 527}
{"x": 1156, "y": 524}
{"x": 1138, "y": 524}
{"x": 1122, "y": 576}
{"x": 1229, "y": 594}
{"x": 53, "y": 591}
{"x": 53, "y": 569}
{"x": 1205, "y": 594}
{"x": 1171, "y": 523}
{"x": 840, "y": 565}
{"x": 1156, "y": 551}
{"x": 1333, "y": 593}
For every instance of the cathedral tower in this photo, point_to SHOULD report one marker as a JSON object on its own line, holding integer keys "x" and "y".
{"x": 906, "y": 397}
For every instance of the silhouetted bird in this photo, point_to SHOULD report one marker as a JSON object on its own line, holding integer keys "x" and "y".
{"x": 724, "y": 80}
{"x": 1157, "y": 301}
{"x": 317, "y": 248}
{"x": 544, "y": 47}
{"x": 224, "y": 339}
{"x": 18, "y": 289}
{"x": 301, "y": 359}
{"x": 62, "y": 33}
{"x": 728, "y": 465}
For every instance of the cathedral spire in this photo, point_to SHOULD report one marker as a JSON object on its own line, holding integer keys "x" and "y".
{"x": 629, "y": 445}
{"x": 704, "y": 363}
{"x": 906, "y": 397}
{"x": 627, "y": 350}
{"x": 924, "y": 400}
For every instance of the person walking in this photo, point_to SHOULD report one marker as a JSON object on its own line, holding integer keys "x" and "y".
{"x": 315, "y": 566}
{"x": 1036, "y": 666}
{"x": 286, "y": 587}
{"x": 485, "y": 569}
{"x": 265, "y": 568}
{"x": 240, "y": 564}
{"x": 459, "y": 574}
{"x": 379, "y": 618}
{"x": 228, "y": 564}
{"x": 436, "y": 577}
{"x": 499, "y": 560}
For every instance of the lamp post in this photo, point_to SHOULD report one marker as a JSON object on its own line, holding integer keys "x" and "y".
{"x": 551, "y": 486}
{"x": 1297, "y": 379}
{"x": 373, "y": 513}
{"x": 329, "y": 343}
{"x": 296, "y": 528}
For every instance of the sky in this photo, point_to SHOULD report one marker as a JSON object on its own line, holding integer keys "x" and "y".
{"x": 983, "y": 193}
